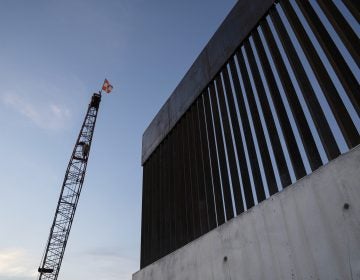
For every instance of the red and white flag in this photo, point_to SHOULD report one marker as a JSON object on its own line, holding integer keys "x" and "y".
{"x": 107, "y": 87}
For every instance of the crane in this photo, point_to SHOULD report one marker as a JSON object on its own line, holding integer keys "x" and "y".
{"x": 70, "y": 192}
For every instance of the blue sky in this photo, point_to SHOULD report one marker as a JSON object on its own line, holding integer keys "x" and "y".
{"x": 53, "y": 56}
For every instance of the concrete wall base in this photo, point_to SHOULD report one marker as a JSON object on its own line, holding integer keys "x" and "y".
{"x": 310, "y": 230}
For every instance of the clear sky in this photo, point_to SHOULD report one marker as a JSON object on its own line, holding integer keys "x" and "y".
{"x": 53, "y": 56}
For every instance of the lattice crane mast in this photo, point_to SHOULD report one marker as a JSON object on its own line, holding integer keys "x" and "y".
{"x": 70, "y": 192}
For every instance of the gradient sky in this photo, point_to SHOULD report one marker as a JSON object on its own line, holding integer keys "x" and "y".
{"x": 53, "y": 56}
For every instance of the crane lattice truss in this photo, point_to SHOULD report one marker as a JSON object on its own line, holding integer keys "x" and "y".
{"x": 69, "y": 197}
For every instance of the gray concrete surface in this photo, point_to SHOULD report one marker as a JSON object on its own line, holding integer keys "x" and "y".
{"x": 303, "y": 232}
{"x": 237, "y": 25}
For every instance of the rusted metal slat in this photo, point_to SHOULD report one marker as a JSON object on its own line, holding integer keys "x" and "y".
{"x": 204, "y": 220}
{"x": 161, "y": 199}
{"x": 166, "y": 198}
{"x": 148, "y": 240}
{"x": 293, "y": 149}
{"x": 239, "y": 207}
{"x": 214, "y": 161}
{"x": 354, "y": 8}
{"x": 298, "y": 113}
{"x": 144, "y": 216}
{"x": 249, "y": 199}
{"x": 194, "y": 172}
{"x": 206, "y": 165}
{"x": 179, "y": 226}
{"x": 264, "y": 152}
{"x": 150, "y": 211}
{"x": 173, "y": 198}
{"x": 270, "y": 124}
{"x": 254, "y": 163}
{"x": 187, "y": 179}
{"x": 342, "y": 27}
{"x": 155, "y": 207}
{"x": 221, "y": 153}
{"x": 337, "y": 61}
{"x": 181, "y": 201}
{"x": 142, "y": 246}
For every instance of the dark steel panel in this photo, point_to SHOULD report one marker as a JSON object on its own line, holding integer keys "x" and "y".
{"x": 200, "y": 170}
{"x": 187, "y": 180}
{"x": 144, "y": 220}
{"x": 142, "y": 245}
{"x": 214, "y": 162}
{"x": 249, "y": 199}
{"x": 147, "y": 214}
{"x": 345, "y": 75}
{"x": 161, "y": 206}
{"x": 264, "y": 152}
{"x": 166, "y": 241}
{"x": 293, "y": 149}
{"x": 171, "y": 170}
{"x": 346, "y": 33}
{"x": 221, "y": 153}
{"x": 149, "y": 217}
{"x": 271, "y": 127}
{"x": 298, "y": 113}
{"x": 161, "y": 201}
{"x": 230, "y": 148}
{"x": 323, "y": 128}
{"x": 178, "y": 208}
{"x": 194, "y": 173}
{"x": 180, "y": 191}
{"x": 149, "y": 246}
{"x": 338, "y": 62}
{"x": 206, "y": 165}
{"x": 354, "y": 8}
{"x": 155, "y": 205}
{"x": 254, "y": 163}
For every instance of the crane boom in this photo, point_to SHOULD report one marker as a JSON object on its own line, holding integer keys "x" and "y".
{"x": 69, "y": 196}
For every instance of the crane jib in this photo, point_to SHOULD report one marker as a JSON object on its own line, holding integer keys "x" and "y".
{"x": 69, "y": 196}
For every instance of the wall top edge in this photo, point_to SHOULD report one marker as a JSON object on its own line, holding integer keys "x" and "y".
{"x": 243, "y": 17}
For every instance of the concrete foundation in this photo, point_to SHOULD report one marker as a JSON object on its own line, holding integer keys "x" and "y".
{"x": 311, "y": 230}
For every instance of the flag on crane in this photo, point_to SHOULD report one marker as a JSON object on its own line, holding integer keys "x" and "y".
{"x": 107, "y": 87}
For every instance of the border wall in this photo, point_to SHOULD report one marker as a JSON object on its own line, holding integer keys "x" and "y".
{"x": 272, "y": 98}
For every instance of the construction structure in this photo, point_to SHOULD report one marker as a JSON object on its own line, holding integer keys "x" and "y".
{"x": 69, "y": 196}
{"x": 251, "y": 169}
